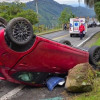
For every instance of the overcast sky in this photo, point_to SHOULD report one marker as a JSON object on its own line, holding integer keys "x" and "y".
{"x": 68, "y": 2}
{"x": 71, "y": 2}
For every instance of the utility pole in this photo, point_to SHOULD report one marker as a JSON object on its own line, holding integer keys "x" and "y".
{"x": 37, "y": 11}
{"x": 36, "y": 1}
{"x": 79, "y": 5}
{"x": 79, "y": 2}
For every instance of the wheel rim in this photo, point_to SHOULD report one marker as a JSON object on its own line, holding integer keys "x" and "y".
{"x": 21, "y": 31}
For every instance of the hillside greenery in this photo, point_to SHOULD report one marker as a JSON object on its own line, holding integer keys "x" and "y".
{"x": 50, "y": 11}
{"x": 65, "y": 16}
{"x": 97, "y": 10}
{"x": 15, "y": 9}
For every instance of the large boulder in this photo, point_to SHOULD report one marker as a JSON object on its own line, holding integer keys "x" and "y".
{"x": 80, "y": 78}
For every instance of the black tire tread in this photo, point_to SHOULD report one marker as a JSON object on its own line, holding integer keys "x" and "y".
{"x": 91, "y": 52}
{"x": 65, "y": 42}
{"x": 9, "y": 27}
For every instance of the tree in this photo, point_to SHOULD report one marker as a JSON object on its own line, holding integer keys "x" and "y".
{"x": 16, "y": 9}
{"x": 90, "y": 3}
{"x": 65, "y": 16}
{"x": 96, "y": 5}
{"x": 30, "y": 15}
{"x": 97, "y": 10}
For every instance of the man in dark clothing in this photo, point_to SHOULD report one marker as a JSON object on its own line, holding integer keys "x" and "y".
{"x": 81, "y": 29}
{"x": 65, "y": 26}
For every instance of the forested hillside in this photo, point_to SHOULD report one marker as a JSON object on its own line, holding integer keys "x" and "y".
{"x": 49, "y": 11}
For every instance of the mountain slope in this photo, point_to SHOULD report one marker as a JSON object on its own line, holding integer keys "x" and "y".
{"x": 49, "y": 11}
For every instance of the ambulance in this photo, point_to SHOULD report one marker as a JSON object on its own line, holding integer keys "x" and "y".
{"x": 74, "y": 26}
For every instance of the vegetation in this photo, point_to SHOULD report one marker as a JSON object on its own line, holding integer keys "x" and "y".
{"x": 49, "y": 11}
{"x": 65, "y": 16}
{"x": 94, "y": 95}
{"x": 91, "y": 3}
{"x": 12, "y": 10}
{"x": 98, "y": 40}
{"x": 96, "y": 5}
{"x": 97, "y": 10}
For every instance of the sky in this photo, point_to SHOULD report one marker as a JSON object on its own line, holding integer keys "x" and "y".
{"x": 68, "y": 2}
{"x": 71, "y": 2}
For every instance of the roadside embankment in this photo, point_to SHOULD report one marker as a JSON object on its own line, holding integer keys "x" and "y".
{"x": 95, "y": 40}
{"x": 95, "y": 94}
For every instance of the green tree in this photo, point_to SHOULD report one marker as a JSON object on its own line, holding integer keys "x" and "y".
{"x": 96, "y": 5}
{"x": 97, "y": 10}
{"x": 16, "y": 9}
{"x": 65, "y": 16}
{"x": 90, "y": 3}
{"x": 30, "y": 15}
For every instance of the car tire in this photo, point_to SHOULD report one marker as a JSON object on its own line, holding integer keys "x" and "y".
{"x": 71, "y": 35}
{"x": 3, "y": 22}
{"x": 19, "y": 31}
{"x": 66, "y": 42}
{"x": 94, "y": 56}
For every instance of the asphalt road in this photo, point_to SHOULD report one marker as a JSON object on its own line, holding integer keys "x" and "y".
{"x": 11, "y": 91}
{"x": 75, "y": 41}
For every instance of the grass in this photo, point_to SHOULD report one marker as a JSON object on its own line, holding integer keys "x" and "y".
{"x": 95, "y": 93}
{"x": 98, "y": 39}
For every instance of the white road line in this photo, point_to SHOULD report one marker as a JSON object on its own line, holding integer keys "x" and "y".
{"x": 85, "y": 40}
{"x": 12, "y": 92}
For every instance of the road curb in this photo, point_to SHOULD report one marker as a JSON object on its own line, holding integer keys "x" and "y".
{"x": 93, "y": 34}
{"x": 48, "y": 32}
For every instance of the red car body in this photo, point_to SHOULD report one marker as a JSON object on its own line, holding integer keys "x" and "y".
{"x": 43, "y": 56}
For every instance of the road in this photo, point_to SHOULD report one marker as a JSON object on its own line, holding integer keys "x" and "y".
{"x": 57, "y": 36}
{"x": 20, "y": 92}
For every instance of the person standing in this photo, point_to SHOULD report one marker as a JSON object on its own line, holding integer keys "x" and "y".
{"x": 65, "y": 26}
{"x": 81, "y": 29}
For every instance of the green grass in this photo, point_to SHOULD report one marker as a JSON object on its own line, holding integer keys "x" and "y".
{"x": 93, "y": 95}
{"x": 98, "y": 40}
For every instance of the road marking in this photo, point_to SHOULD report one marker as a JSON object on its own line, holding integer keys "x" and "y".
{"x": 12, "y": 92}
{"x": 60, "y": 37}
{"x": 85, "y": 40}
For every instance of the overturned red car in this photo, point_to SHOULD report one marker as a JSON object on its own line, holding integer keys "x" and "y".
{"x": 29, "y": 59}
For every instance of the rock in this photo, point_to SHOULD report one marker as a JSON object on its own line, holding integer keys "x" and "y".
{"x": 80, "y": 78}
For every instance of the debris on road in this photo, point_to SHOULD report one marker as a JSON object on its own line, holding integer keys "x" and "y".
{"x": 54, "y": 81}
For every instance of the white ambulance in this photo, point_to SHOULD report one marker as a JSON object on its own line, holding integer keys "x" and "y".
{"x": 74, "y": 26}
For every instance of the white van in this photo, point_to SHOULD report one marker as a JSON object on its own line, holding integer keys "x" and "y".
{"x": 74, "y": 26}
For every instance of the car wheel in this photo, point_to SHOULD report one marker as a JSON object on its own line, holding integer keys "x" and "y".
{"x": 71, "y": 35}
{"x": 19, "y": 31}
{"x": 66, "y": 42}
{"x": 3, "y": 22}
{"x": 94, "y": 56}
